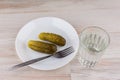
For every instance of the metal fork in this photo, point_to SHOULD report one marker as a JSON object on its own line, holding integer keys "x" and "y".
{"x": 59, "y": 54}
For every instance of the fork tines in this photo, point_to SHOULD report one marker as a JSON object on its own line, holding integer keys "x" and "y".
{"x": 65, "y": 52}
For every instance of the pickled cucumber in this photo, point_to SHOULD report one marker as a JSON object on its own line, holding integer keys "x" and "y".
{"x": 42, "y": 46}
{"x": 54, "y": 38}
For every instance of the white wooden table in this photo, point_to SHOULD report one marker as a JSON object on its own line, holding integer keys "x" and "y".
{"x": 80, "y": 13}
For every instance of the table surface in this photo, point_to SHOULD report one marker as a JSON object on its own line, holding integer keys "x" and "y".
{"x": 80, "y": 13}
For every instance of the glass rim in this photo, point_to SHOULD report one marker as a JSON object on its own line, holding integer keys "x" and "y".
{"x": 96, "y": 28}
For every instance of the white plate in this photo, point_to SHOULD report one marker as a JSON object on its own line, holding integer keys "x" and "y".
{"x": 46, "y": 24}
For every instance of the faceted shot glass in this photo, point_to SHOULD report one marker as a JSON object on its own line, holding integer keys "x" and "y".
{"x": 93, "y": 42}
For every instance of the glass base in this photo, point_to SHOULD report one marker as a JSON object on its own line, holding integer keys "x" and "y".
{"x": 86, "y": 63}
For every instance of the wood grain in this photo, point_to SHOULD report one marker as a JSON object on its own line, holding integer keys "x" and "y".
{"x": 14, "y": 14}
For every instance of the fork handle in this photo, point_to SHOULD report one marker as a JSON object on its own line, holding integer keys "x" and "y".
{"x": 30, "y": 62}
